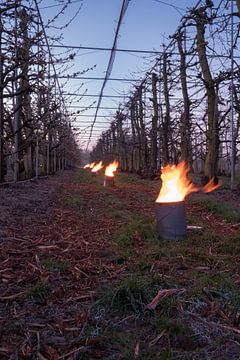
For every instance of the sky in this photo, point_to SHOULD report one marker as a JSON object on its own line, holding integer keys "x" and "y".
{"x": 147, "y": 25}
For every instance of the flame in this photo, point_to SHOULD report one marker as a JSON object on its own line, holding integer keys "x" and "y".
{"x": 176, "y": 185}
{"x": 111, "y": 168}
{"x": 97, "y": 167}
{"x": 89, "y": 166}
{"x": 211, "y": 185}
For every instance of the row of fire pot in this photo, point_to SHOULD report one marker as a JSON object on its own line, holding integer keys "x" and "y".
{"x": 109, "y": 176}
{"x": 170, "y": 203}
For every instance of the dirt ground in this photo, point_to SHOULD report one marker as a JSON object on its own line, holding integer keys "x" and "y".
{"x": 85, "y": 276}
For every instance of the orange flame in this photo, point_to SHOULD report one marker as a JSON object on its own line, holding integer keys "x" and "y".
{"x": 89, "y": 166}
{"x": 210, "y": 186}
{"x": 176, "y": 184}
{"x": 97, "y": 167}
{"x": 111, "y": 168}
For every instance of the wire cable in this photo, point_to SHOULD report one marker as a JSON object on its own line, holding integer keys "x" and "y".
{"x": 110, "y": 64}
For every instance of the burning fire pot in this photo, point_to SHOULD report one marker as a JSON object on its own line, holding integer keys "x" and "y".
{"x": 170, "y": 205}
{"x": 171, "y": 220}
{"x": 109, "y": 179}
{"x": 96, "y": 168}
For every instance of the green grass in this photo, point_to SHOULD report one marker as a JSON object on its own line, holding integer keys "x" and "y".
{"x": 194, "y": 247}
{"x": 172, "y": 326}
{"x": 75, "y": 201}
{"x": 130, "y": 178}
{"x": 54, "y": 265}
{"x": 38, "y": 293}
{"x": 139, "y": 229}
{"x": 221, "y": 209}
{"x": 217, "y": 281}
{"x": 124, "y": 345}
{"x": 229, "y": 245}
{"x": 83, "y": 176}
{"x": 131, "y": 294}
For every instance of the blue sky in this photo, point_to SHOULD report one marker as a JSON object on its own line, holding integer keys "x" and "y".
{"x": 147, "y": 25}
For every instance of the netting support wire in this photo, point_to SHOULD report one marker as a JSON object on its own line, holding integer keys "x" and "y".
{"x": 232, "y": 109}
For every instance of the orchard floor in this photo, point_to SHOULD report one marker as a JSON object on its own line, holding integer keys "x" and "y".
{"x": 84, "y": 275}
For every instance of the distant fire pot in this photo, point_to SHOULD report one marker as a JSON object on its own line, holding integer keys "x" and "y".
{"x": 171, "y": 220}
{"x": 96, "y": 168}
{"x": 109, "y": 178}
{"x": 109, "y": 181}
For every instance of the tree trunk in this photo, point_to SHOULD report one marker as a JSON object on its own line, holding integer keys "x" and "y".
{"x": 142, "y": 132}
{"x": 185, "y": 119}
{"x": 134, "y": 151}
{"x": 166, "y": 118}
{"x": 211, "y": 161}
{"x": 154, "y": 146}
{"x": 122, "y": 143}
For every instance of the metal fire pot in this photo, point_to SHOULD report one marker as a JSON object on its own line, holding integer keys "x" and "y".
{"x": 109, "y": 181}
{"x": 171, "y": 220}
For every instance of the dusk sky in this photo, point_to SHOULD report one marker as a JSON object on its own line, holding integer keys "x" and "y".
{"x": 147, "y": 25}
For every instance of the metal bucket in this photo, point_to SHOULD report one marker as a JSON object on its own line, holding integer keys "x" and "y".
{"x": 171, "y": 220}
{"x": 109, "y": 181}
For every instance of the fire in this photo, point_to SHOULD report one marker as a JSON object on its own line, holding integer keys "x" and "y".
{"x": 89, "y": 166}
{"x": 211, "y": 185}
{"x": 97, "y": 167}
{"x": 176, "y": 184}
{"x": 111, "y": 168}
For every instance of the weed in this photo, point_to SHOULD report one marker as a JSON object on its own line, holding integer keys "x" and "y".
{"x": 167, "y": 354}
{"x": 124, "y": 344}
{"x": 219, "y": 281}
{"x": 38, "y": 293}
{"x": 130, "y": 178}
{"x": 138, "y": 230}
{"x": 221, "y": 209}
{"x": 172, "y": 326}
{"x": 131, "y": 294}
{"x": 13, "y": 328}
{"x": 53, "y": 265}
{"x": 73, "y": 201}
{"x": 84, "y": 176}
{"x": 230, "y": 245}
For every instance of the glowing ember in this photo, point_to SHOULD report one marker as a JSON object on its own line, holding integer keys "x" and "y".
{"x": 97, "y": 167}
{"x": 92, "y": 165}
{"x": 176, "y": 184}
{"x": 111, "y": 168}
